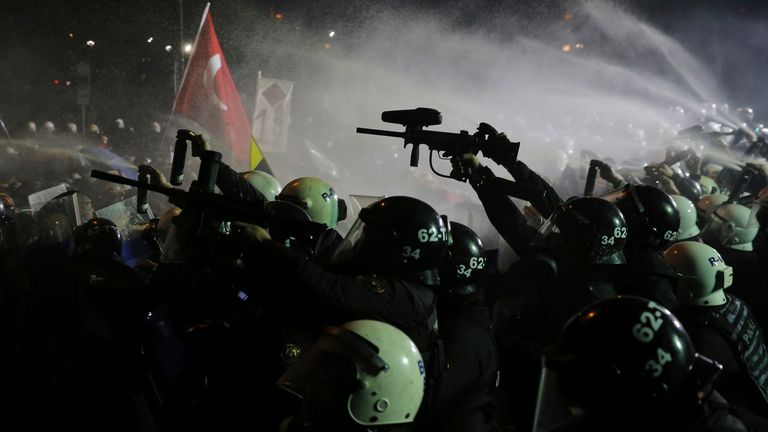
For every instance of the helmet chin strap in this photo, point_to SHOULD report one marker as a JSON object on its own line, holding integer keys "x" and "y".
{"x": 428, "y": 277}
{"x": 716, "y": 298}
{"x": 741, "y": 247}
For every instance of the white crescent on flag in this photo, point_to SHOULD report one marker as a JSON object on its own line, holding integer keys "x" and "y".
{"x": 214, "y": 64}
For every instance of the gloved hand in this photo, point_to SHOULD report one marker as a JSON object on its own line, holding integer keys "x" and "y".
{"x": 533, "y": 217}
{"x": 667, "y": 185}
{"x": 749, "y": 134}
{"x": 693, "y": 163}
{"x": 497, "y": 146}
{"x": 155, "y": 177}
{"x": 464, "y": 166}
{"x": 608, "y": 174}
{"x": 664, "y": 170}
{"x": 675, "y": 156}
{"x": 251, "y": 233}
{"x": 761, "y": 168}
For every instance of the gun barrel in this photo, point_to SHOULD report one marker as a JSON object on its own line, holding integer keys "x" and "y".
{"x": 589, "y": 185}
{"x": 101, "y": 175}
{"x": 381, "y": 132}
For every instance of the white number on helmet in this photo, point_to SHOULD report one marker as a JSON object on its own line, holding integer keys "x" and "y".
{"x": 620, "y": 232}
{"x": 412, "y": 253}
{"x": 462, "y": 270}
{"x": 670, "y": 235}
{"x": 477, "y": 262}
{"x": 606, "y": 240}
{"x": 653, "y": 319}
{"x": 432, "y": 235}
{"x": 642, "y": 333}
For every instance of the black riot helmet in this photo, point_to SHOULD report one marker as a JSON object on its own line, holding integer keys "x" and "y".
{"x": 586, "y": 229}
{"x": 652, "y": 216}
{"x": 465, "y": 263}
{"x": 8, "y": 238}
{"x": 7, "y": 210}
{"x": 288, "y": 223}
{"x": 98, "y": 239}
{"x": 627, "y": 355}
{"x": 690, "y": 188}
{"x": 397, "y": 235}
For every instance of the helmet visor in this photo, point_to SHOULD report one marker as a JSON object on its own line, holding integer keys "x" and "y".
{"x": 757, "y": 206}
{"x": 547, "y": 234}
{"x": 351, "y": 243}
{"x": 553, "y": 411}
{"x": 351, "y": 355}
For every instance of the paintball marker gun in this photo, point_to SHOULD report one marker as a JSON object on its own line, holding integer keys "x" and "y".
{"x": 448, "y": 144}
{"x": 451, "y": 145}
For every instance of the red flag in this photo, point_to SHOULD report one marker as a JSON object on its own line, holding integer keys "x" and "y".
{"x": 209, "y": 97}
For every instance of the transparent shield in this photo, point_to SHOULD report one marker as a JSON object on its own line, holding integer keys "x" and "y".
{"x": 546, "y": 234}
{"x": 350, "y": 246}
{"x": 131, "y": 223}
{"x": 553, "y": 412}
{"x": 173, "y": 249}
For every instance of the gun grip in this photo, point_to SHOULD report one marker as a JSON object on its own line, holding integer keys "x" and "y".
{"x": 198, "y": 145}
{"x": 179, "y": 157}
{"x": 209, "y": 170}
{"x": 589, "y": 186}
{"x": 142, "y": 205}
{"x": 415, "y": 155}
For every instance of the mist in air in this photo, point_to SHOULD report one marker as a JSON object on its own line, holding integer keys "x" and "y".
{"x": 561, "y": 77}
{"x": 594, "y": 78}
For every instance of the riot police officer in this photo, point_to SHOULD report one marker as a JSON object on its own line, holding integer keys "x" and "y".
{"x": 263, "y": 182}
{"x": 384, "y": 270}
{"x": 688, "y": 229}
{"x": 721, "y": 326}
{"x": 653, "y": 221}
{"x": 581, "y": 254}
{"x": 731, "y": 230}
{"x": 323, "y": 206}
{"x": 462, "y": 398}
{"x": 628, "y": 364}
{"x": 364, "y": 375}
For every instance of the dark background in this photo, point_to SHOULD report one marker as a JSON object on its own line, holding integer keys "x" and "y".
{"x": 43, "y": 41}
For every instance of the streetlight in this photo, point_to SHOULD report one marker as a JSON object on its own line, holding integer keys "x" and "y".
{"x": 187, "y": 48}
{"x": 90, "y": 43}
{"x": 331, "y": 34}
{"x": 168, "y": 48}
{"x": 150, "y": 39}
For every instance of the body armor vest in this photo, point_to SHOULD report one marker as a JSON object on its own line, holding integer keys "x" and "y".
{"x": 737, "y": 325}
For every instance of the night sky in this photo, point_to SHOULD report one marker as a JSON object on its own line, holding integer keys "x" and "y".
{"x": 44, "y": 41}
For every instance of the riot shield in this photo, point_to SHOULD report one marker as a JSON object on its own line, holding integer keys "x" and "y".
{"x": 131, "y": 224}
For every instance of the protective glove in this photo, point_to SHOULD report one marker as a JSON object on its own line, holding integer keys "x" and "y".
{"x": 693, "y": 163}
{"x": 664, "y": 170}
{"x": 250, "y": 233}
{"x": 675, "y": 156}
{"x": 155, "y": 177}
{"x": 761, "y": 168}
{"x": 464, "y": 166}
{"x": 667, "y": 185}
{"x": 497, "y": 146}
{"x": 608, "y": 174}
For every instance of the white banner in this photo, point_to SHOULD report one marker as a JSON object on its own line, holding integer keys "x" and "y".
{"x": 272, "y": 114}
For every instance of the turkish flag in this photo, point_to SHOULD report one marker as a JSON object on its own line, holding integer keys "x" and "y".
{"x": 209, "y": 97}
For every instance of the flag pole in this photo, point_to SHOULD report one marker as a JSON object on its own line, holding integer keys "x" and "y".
{"x": 186, "y": 69}
{"x": 194, "y": 49}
